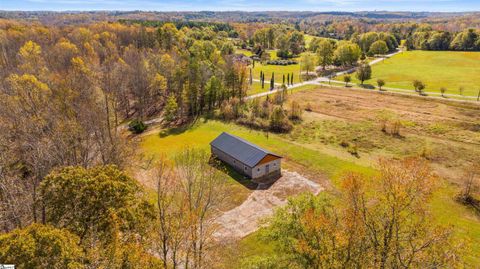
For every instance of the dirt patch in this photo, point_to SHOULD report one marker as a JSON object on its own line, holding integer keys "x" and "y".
{"x": 246, "y": 218}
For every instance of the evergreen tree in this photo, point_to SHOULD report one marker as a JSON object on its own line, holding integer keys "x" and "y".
{"x": 288, "y": 79}
{"x": 262, "y": 78}
{"x": 283, "y": 79}
{"x": 251, "y": 77}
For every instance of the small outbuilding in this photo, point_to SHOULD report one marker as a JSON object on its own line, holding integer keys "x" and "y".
{"x": 245, "y": 157}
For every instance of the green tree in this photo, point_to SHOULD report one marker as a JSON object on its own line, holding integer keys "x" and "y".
{"x": 347, "y": 53}
{"x": 443, "y": 90}
{"x": 378, "y": 48}
{"x": 41, "y": 246}
{"x": 380, "y": 83}
{"x": 93, "y": 202}
{"x": 419, "y": 86}
{"x": 171, "y": 108}
{"x": 325, "y": 52}
{"x": 346, "y": 79}
{"x": 308, "y": 62}
{"x": 279, "y": 120}
{"x": 364, "y": 72}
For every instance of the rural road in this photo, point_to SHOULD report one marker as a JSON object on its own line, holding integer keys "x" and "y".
{"x": 317, "y": 81}
{"x": 326, "y": 81}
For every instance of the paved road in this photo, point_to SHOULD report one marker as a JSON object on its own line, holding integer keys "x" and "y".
{"x": 322, "y": 81}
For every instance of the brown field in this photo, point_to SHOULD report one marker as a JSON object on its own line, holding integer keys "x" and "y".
{"x": 447, "y": 134}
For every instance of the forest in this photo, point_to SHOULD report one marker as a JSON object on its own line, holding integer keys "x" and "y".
{"x": 76, "y": 91}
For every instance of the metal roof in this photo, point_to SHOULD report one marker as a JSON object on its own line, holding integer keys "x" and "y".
{"x": 240, "y": 149}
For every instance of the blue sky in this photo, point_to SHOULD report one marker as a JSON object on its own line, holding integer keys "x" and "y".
{"x": 247, "y": 5}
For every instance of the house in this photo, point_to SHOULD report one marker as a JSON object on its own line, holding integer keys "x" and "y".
{"x": 245, "y": 157}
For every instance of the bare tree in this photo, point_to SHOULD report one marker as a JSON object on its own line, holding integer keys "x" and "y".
{"x": 190, "y": 192}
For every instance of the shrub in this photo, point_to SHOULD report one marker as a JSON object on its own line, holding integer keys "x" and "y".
{"x": 137, "y": 126}
{"x": 279, "y": 121}
{"x": 281, "y": 62}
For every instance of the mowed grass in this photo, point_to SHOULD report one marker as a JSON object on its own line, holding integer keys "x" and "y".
{"x": 465, "y": 223}
{"x": 256, "y": 87}
{"x": 449, "y": 69}
{"x": 278, "y": 70}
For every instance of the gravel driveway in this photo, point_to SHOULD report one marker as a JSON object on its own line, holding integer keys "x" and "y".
{"x": 244, "y": 219}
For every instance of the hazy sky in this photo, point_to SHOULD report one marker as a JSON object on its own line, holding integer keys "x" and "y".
{"x": 248, "y": 5}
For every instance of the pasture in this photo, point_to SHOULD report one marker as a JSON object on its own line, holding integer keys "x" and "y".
{"x": 436, "y": 69}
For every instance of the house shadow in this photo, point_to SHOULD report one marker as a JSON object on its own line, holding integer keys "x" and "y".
{"x": 227, "y": 169}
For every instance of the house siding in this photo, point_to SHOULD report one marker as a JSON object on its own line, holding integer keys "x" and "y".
{"x": 255, "y": 172}
{"x": 260, "y": 170}
{"x": 236, "y": 164}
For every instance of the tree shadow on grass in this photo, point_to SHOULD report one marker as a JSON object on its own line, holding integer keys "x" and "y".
{"x": 177, "y": 130}
{"x": 227, "y": 169}
{"x": 367, "y": 86}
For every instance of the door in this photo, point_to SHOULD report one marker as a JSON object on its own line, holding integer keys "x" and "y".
{"x": 267, "y": 169}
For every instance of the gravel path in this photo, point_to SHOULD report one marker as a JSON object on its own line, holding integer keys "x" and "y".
{"x": 245, "y": 219}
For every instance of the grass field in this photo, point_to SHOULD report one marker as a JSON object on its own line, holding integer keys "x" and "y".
{"x": 436, "y": 69}
{"x": 203, "y": 132}
{"x": 313, "y": 148}
{"x": 257, "y": 88}
{"x": 279, "y": 70}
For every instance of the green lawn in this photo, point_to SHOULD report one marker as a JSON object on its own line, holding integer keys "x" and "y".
{"x": 203, "y": 132}
{"x": 257, "y": 88}
{"x": 279, "y": 71}
{"x": 436, "y": 69}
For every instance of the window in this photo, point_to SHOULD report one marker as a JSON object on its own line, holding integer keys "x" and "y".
{"x": 274, "y": 164}
{"x": 258, "y": 169}
{"x": 245, "y": 168}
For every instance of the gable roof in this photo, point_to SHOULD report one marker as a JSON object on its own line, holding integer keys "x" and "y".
{"x": 240, "y": 149}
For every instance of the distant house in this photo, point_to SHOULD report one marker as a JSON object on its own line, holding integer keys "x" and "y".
{"x": 245, "y": 157}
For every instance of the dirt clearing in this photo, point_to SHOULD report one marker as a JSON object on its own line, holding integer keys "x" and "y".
{"x": 245, "y": 219}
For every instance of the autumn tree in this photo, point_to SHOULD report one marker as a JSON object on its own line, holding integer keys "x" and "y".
{"x": 189, "y": 194}
{"x": 41, "y": 246}
{"x": 378, "y": 222}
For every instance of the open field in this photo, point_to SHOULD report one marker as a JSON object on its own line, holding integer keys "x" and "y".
{"x": 343, "y": 122}
{"x": 436, "y": 69}
{"x": 257, "y": 88}
{"x": 279, "y": 70}
{"x": 447, "y": 134}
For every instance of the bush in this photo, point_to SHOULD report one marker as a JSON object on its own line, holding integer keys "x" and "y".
{"x": 137, "y": 126}
{"x": 279, "y": 121}
{"x": 281, "y": 62}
